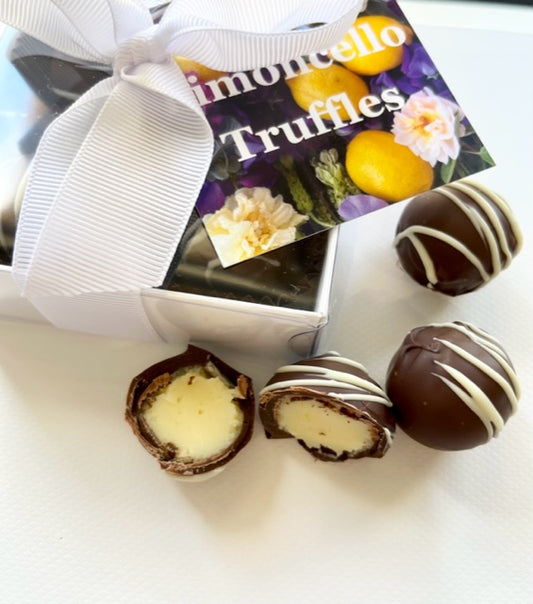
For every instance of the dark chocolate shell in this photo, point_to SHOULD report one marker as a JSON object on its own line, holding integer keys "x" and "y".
{"x": 197, "y": 365}
{"x": 331, "y": 406}
{"x": 456, "y": 238}
{"x": 452, "y": 385}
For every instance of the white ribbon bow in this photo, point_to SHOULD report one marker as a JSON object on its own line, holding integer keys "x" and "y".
{"x": 116, "y": 176}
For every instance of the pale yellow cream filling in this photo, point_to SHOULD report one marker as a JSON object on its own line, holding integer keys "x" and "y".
{"x": 318, "y": 425}
{"x": 197, "y": 414}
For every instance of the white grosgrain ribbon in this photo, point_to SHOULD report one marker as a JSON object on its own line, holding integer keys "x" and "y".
{"x": 116, "y": 176}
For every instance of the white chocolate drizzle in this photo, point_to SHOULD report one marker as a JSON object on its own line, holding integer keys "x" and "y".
{"x": 487, "y": 223}
{"x": 360, "y": 389}
{"x": 466, "y": 389}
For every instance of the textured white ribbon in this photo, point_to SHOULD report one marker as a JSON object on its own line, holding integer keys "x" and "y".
{"x": 116, "y": 176}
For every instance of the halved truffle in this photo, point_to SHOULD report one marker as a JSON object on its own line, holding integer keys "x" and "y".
{"x": 192, "y": 412}
{"x": 457, "y": 237}
{"x": 331, "y": 406}
{"x": 452, "y": 386}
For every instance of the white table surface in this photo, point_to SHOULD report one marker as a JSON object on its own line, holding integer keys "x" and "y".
{"x": 87, "y": 517}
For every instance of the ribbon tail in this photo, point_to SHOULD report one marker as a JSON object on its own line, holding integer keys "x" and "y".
{"x": 108, "y": 202}
{"x": 56, "y": 152}
{"x": 115, "y": 314}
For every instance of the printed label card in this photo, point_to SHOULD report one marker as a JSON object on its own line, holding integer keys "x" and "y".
{"x": 306, "y": 145}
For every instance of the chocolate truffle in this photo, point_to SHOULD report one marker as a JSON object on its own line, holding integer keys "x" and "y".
{"x": 456, "y": 238}
{"x": 452, "y": 386}
{"x": 192, "y": 412}
{"x": 331, "y": 406}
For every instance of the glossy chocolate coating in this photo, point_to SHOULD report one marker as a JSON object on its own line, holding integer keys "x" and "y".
{"x": 340, "y": 385}
{"x": 152, "y": 380}
{"x": 452, "y": 386}
{"x": 456, "y": 238}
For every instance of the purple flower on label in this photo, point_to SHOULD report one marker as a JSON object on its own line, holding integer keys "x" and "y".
{"x": 358, "y": 205}
{"x": 394, "y": 8}
{"x": 225, "y": 115}
{"x": 381, "y": 82}
{"x": 258, "y": 174}
{"x": 211, "y": 197}
{"x": 254, "y": 146}
{"x": 416, "y": 71}
{"x": 416, "y": 62}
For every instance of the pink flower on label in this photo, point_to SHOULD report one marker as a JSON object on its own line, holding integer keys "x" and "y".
{"x": 430, "y": 126}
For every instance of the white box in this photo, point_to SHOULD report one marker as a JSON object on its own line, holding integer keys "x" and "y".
{"x": 26, "y": 107}
{"x": 233, "y": 323}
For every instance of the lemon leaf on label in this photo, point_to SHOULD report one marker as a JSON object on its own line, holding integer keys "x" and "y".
{"x": 486, "y": 157}
{"x": 447, "y": 170}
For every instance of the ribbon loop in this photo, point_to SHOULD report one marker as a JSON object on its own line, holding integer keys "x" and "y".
{"x": 91, "y": 31}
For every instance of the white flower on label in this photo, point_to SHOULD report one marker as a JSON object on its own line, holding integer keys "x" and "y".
{"x": 250, "y": 223}
{"x": 430, "y": 126}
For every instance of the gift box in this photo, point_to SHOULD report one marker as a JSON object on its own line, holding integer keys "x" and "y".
{"x": 269, "y": 160}
{"x": 278, "y": 301}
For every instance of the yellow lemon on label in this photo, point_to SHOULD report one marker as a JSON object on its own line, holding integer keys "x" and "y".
{"x": 380, "y": 166}
{"x": 204, "y": 73}
{"x": 374, "y": 44}
{"x": 320, "y": 84}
